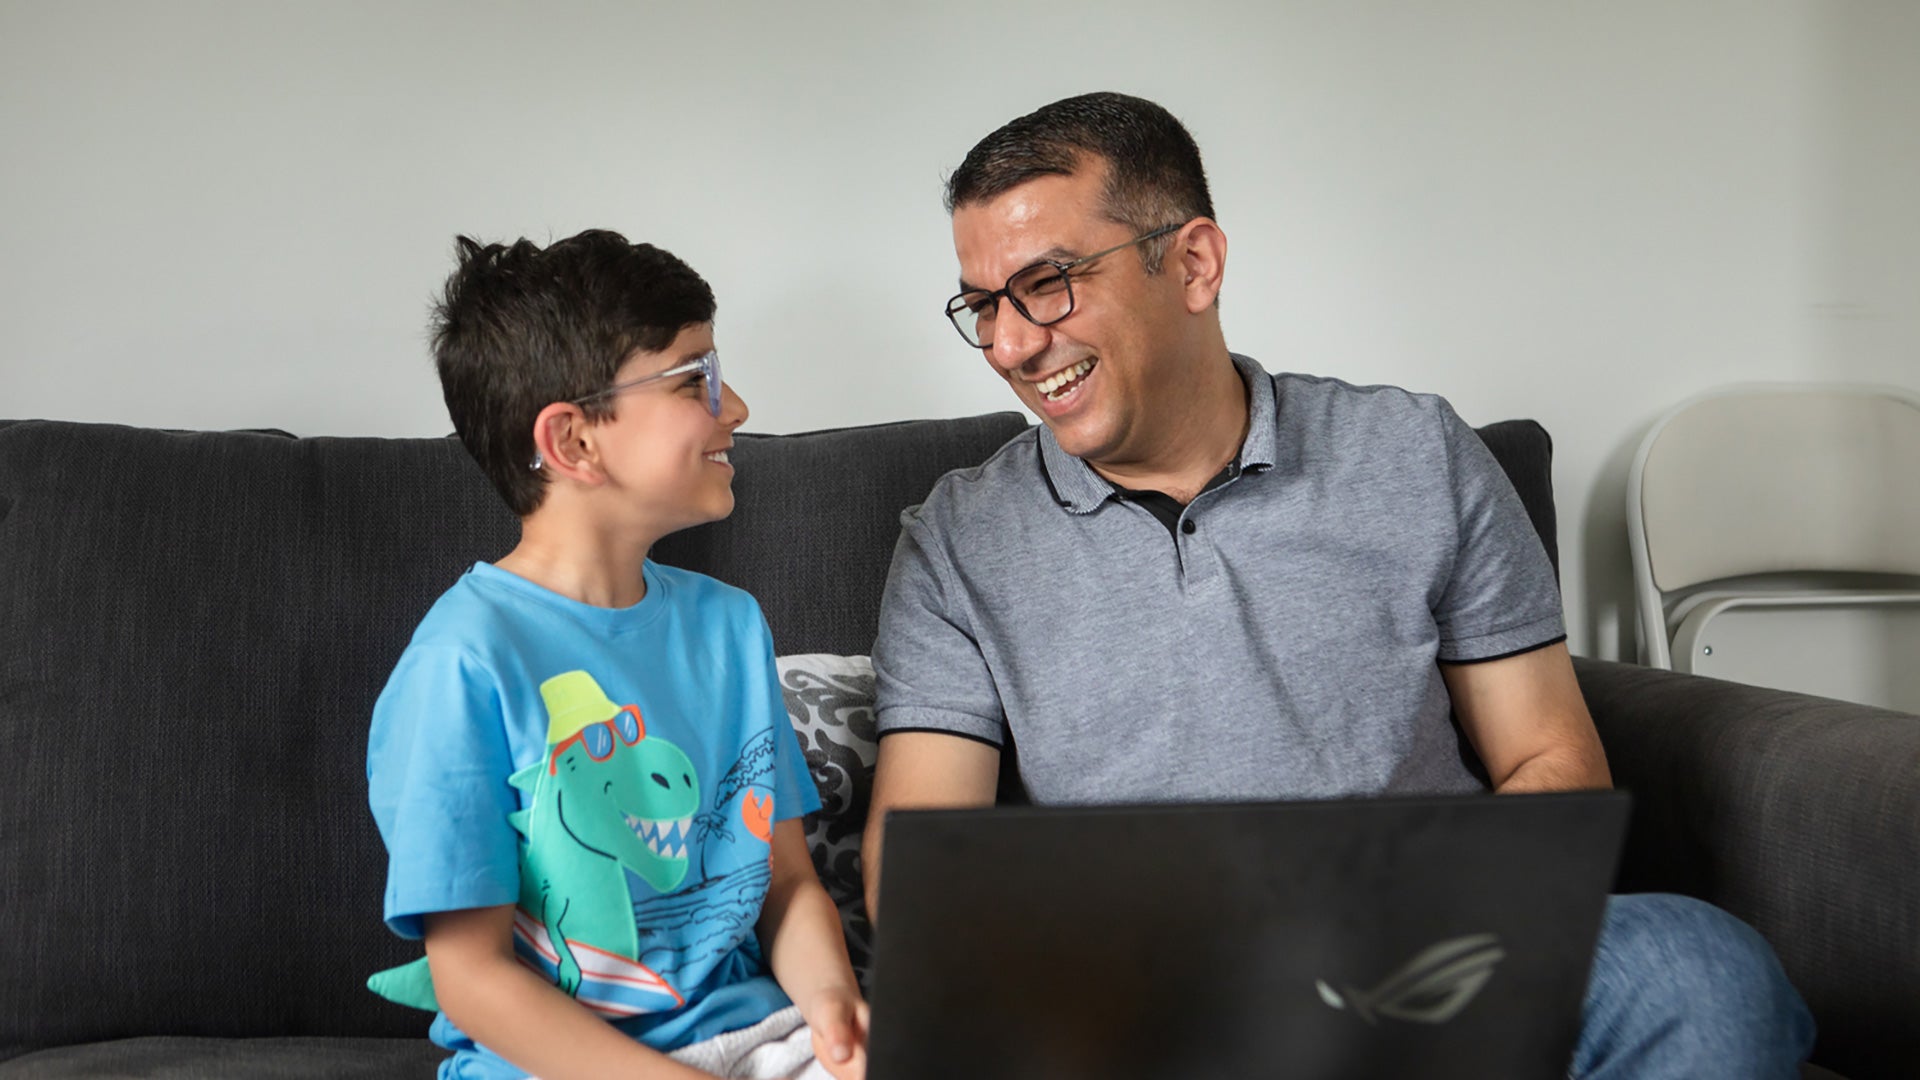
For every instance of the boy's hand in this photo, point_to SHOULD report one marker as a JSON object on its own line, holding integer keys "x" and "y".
{"x": 839, "y": 1021}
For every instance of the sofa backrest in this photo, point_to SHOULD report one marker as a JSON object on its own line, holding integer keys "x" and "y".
{"x": 193, "y": 629}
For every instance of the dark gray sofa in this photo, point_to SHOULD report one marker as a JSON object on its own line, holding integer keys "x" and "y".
{"x": 193, "y": 628}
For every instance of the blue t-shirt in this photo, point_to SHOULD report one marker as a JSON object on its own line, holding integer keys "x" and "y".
{"x": 615, "y": 773}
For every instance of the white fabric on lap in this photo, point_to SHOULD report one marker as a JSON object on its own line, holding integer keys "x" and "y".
{"x": 777, "y": 1048}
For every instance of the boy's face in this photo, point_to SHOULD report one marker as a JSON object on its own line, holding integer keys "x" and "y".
{"x": 661, "y": 448}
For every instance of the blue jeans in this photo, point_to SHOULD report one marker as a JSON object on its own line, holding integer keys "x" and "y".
{"x": 1682, "y": 989}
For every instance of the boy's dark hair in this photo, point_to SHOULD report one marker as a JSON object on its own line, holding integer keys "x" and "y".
{"x": 1154, "y": 175}
{"x": 520, "y": 327}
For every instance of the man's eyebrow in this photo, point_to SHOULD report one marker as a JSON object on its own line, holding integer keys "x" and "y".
{"x": 1056, "y": 253}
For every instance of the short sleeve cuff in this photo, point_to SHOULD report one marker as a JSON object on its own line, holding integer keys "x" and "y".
{"x": 944, "y": 721}
{"x": 797, "y": 799}
{"x": 795, "y": 791}
{"x": 406, "y": 912}
{"x": 1511, "y": 641}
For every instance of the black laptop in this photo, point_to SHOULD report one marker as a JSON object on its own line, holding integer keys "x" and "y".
{"x": 1404, "y": 937}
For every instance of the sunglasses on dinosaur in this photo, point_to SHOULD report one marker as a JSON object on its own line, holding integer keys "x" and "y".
{"x": 597, "y": 739}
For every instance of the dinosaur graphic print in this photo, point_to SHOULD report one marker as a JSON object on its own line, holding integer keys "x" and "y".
{"x": 614, "y": 821}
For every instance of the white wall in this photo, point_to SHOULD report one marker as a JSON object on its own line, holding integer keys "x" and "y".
{"x": 226, "y": 215}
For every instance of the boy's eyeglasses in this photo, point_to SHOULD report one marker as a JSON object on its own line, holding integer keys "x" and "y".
{"x": 708, "y": 365}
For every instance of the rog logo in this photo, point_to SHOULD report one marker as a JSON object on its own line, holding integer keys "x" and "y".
{"x": 1431, "y": 988}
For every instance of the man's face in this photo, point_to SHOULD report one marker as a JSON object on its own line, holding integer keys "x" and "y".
{"x": 1094, "y": 376}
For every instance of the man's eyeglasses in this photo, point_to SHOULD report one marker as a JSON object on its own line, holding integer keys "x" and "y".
{"x": 1041, "y": 293}
{"x": 708, "y": 365}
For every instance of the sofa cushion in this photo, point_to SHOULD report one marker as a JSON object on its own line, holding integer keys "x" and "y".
{"x": 1525, "y": 451}
{"x": 255, "y": 1059}
{"x": 830, "y": 699}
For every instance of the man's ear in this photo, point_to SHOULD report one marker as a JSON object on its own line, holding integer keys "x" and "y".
{"x": 564, "y": 439}
{"x": 1201, "y": 253}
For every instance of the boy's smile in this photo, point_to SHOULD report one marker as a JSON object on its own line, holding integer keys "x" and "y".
{"x": 661, "y": 448}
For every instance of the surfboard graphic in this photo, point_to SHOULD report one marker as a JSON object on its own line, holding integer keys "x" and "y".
{"x": 612, "y": 986}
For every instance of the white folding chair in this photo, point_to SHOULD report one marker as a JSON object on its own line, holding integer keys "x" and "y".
{"x": 1772, "y": 497}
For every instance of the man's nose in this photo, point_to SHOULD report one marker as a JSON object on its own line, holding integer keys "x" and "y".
{"x": 1015, "y": 339}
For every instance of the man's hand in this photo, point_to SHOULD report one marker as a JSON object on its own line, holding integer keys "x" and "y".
{"x": 838, "y": 1019}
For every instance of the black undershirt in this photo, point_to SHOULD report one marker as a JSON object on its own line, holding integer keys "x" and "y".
{"x": 1166, "y": 507}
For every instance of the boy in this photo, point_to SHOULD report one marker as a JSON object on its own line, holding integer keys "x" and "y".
{"x": 581, "y": 766}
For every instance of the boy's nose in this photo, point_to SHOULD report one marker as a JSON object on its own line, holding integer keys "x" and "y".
{"x": 733, "y": 408}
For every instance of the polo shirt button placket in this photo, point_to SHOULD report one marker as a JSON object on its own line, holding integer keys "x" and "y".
{"x": 1197, "y": 569}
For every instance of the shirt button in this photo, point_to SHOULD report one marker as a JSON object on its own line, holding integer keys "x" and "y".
{"x": 1188, "y": 526}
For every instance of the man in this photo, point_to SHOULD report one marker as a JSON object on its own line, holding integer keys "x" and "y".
{"x": 1198, "y": 581}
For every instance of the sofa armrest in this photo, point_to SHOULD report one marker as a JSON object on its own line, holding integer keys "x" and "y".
{"x": 1800, "y": 815}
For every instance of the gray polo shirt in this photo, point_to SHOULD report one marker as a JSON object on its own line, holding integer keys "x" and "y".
{"x": 1281, "y": 643}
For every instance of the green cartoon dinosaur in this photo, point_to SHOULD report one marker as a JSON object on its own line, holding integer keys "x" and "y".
{"x": 606, "y": 799}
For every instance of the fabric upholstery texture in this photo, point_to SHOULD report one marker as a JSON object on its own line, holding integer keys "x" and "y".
{"x": 196, "y": 627}
{"x": 830, "y": 699}
{"x": 1722, "y": 811}
{"x": 815, "y": 518}
{"x": 257, "y": 1059}
{"x": 1525, "y": 451}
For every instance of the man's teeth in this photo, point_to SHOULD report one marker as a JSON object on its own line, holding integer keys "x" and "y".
{"x": 666, "y": 838}
{"x": 1048, "y": 386}
{"x": 719, "y": 456}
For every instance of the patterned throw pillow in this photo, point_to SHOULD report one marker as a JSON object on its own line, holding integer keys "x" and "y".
{"x": 830, "y": 699}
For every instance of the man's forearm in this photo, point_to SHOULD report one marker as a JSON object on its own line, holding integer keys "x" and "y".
{"x": 870, "y": 841}
{"x": 922, "y": 770}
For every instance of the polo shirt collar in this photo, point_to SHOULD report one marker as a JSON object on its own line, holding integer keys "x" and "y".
{"x": 1080, "y": 490}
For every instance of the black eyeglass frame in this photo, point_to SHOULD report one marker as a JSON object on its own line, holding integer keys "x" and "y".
{"x": 1064, "y": 269}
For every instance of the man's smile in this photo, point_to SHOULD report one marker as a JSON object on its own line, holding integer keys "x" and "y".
{"x": 1061, "y": 384}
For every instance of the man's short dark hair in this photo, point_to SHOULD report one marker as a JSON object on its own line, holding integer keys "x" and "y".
{"x": 520, "y": 327}
{"x": 1154, "y": 175}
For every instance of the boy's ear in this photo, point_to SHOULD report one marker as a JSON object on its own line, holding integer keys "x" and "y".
{"x": 565, "y": 441}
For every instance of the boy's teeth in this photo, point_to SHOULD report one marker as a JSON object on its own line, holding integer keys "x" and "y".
{"x": 1048, "y": 386}
{"x": 719, "y": 456}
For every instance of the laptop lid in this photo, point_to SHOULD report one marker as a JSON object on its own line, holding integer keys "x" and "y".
{"x": 1432, "y": 937}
